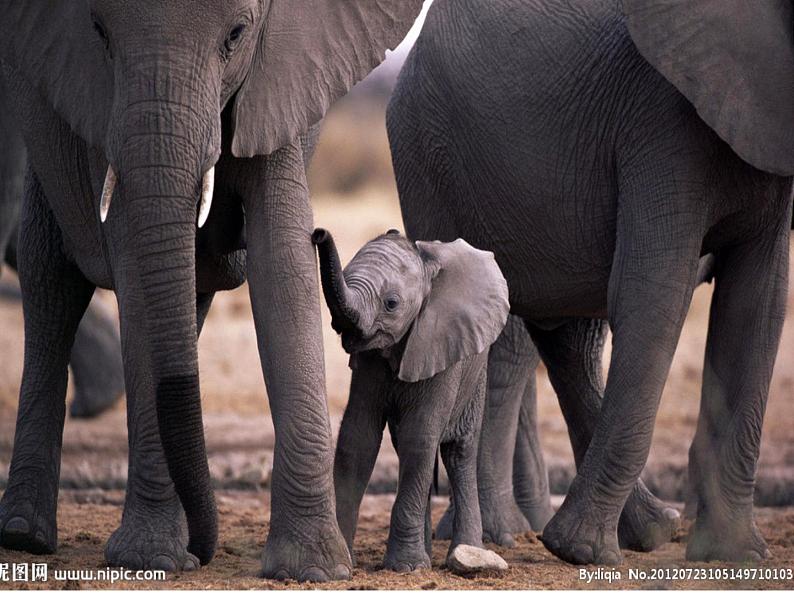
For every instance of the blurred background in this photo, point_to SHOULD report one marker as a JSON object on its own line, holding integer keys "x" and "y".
{"x": 354, "y": 196}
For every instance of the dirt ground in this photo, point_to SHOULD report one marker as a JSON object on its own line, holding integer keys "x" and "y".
{"x": 86, "y": 519}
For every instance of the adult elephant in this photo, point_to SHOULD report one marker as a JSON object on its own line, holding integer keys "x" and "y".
{"x": 167, "y": 102}
{"x": 599, "y": 163}
{"x": 96, "y": 357}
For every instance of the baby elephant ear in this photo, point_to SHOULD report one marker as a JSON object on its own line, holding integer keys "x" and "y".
{"x": 310, "y": 53}
{"x": 734, "y": 61}
{"x": 463, "y": 315}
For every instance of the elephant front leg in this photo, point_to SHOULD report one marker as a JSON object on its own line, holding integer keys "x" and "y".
{"x": 153, "y": 531}
{"x": 747, "y": 313}
{"x": 360, "y": 436}
{"x": 406, "y": 549}
{"x": 652, "y": 279}
{"x": 304, "y": 540}
{"x": 55, "y": 296}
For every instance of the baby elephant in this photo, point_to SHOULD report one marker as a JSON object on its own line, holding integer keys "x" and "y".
{"x": 417, "y": 320}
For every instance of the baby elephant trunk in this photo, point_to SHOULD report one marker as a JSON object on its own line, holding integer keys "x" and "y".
{"x": 338, "y": 296}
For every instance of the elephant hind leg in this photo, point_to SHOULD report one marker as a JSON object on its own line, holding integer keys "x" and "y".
{"x": 746, "y": 318}
{"x": 652, "y": 278}
{"x": 55, "y": 295}
{"x": 573, "y": 354}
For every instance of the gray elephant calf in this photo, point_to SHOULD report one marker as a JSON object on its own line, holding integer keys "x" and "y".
{"x": 417, "y": 320}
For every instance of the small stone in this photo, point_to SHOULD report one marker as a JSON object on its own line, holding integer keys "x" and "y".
{"x": 466, "y": 559}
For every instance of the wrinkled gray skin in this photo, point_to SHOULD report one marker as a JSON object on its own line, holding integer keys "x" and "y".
{"x": 96, "y": 356}
{"x": 513, "y": 472}
{"x": 512, "y": 477}
{"x": 382, "y": 304}
{"x": 598, "y": 185}
{"x": 162, "y": 92}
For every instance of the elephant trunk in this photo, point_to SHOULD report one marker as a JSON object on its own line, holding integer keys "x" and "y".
{"x": 158, "y": 202}
{"x": 338, "y": 296}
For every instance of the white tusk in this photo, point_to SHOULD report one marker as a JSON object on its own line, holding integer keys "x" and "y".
{"x": 107, "y": 194}
{"x": 207, "y": 188}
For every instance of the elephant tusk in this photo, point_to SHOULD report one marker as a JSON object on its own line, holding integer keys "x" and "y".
{"x": 207, "y": 188}
{"x": 107, "y": 193}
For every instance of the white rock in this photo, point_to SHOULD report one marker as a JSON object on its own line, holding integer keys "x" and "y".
{"x": 468, "y": 559}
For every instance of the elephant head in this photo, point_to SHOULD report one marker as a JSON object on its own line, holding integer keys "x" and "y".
{"x": 734, "y": 61}
{"x": 447, "y": 300}
{"x": 146, "y": 82}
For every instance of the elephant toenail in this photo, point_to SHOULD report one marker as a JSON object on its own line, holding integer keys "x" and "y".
{"x": 17, "y": 525}
{"x": 341, "y": 572}
{"x": 671, "y": 514}
{"x": 163, "y": 563}
{"x": 610, "y": 558}
{"x": 191, "y": 563}
{"x": 280, "y": 575}
{"x": 752, "y": 555}
{"x": 767, "y": 554}
{"x": 313, "y": 574}
{"x": 507, "y": 540}
{"x": 582, "y": 553}
{"x": 402, "y": 568}
{"x": 131, "y": 560}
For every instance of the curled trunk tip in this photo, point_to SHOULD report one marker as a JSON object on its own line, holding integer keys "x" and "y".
{"x": 320, "y": 235}
{"x": 338, "y": 296}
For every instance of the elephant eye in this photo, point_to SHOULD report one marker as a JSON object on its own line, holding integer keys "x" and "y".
{"x": 391, "y": 303}
{"x": 234, "y": 37}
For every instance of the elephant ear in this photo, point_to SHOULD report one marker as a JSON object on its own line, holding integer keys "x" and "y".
{"x": 52, "y": 44}
{"x": 464, "y": 313}
{"x": 734, "y": 61}
{"x": 311, "y": 52}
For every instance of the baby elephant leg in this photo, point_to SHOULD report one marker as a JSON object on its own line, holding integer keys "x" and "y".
{"x": 466, "y": 554}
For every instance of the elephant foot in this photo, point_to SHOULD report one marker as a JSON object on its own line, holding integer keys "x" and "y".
{"x": 501, "y": 519}
{"x": 90, "y": 402}
{"x": 646, "y": 522}
{"x": 405, "y": 558}
{"x": 582, "y": 536}
{"x": 467, "y": 560}
{"x": 726, "y": 539}
{"x": 320, "y": 557}
{"x": 148, "y": 540}
{"x": 537, "y": 513}
{"x": 26, "y": 523}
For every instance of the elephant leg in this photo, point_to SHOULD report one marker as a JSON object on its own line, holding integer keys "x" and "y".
{"x": 747, "y": 313}
{"x": 460, "y": 460}
{"x": 423, "y": 408}
{"x": 406, "y": 548}
{"x": 573, "y": 355}
{"x": 153, "y": 531}
{"x": 530, "y": 477}
{"x": 652, "y": 279}
{"x": 304, "y": 541}
{"x": 96, "y": 365}
{"x": 512, "y": 360}
{"x": 360, "y": 436}
{"x": 55, "y": 295}
{"x": 96, "y": 357}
